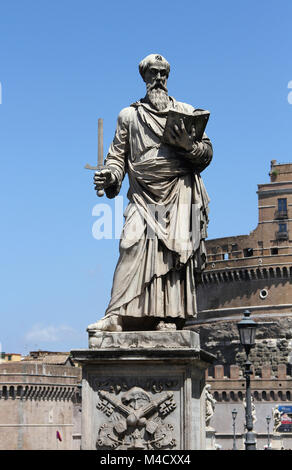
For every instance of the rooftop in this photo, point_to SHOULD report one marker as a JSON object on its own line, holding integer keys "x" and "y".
{"x": 49, "y": 357}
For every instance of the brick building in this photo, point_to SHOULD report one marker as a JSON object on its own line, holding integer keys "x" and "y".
{"x": 251, "y": 272}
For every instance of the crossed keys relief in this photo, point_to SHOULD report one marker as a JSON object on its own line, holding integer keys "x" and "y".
{"x": 136, "y": 420}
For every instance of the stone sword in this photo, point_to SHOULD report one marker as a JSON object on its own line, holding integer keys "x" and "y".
{"x": 100, "y": 166}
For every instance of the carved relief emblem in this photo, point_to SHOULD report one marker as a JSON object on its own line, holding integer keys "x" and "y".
{"x": 136, "y": 420}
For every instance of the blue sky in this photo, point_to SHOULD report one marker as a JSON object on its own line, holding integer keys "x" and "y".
{"x": 65, "y": 63}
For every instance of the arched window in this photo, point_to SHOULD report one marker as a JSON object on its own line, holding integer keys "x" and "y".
{"x": 259, "y": 274}
{"x": 285, "y": 272}
{"x": 216, "y": 396}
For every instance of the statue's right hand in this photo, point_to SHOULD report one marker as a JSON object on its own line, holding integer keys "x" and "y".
{"x": 103, "y": 179}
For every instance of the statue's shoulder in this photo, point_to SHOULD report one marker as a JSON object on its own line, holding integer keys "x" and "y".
{"x": 126, "y": 114}
{"x": 183, "y": 107}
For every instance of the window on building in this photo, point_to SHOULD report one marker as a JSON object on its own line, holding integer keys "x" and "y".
{"x": 274, "y": 251}
{"x": 261, "y": 247}
{"x": 263, "y": 293}
{"x": 247, "y": 252}
{"x": 282, "y": 227}
{"x": 282, "y": 205}
{"x": 234, "y": 250}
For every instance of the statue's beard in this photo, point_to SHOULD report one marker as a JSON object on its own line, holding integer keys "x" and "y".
{"x": 158, "y": 97}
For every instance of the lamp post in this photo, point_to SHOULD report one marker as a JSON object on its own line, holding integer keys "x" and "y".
{"x": 268, "y": 419}
{"x": 234, "y": 414}
{"x": 247, "y": 332}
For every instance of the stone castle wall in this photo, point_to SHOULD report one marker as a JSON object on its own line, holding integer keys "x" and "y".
{"x": 36, "y": 402}
{"x": 270, "y": 386}
{"x": 251, "y": 272}
{"x": 273, "y": 343}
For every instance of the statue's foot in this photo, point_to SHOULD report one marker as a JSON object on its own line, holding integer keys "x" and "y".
{"x": 163, "y": 326}
{"x": 108, "y": 323}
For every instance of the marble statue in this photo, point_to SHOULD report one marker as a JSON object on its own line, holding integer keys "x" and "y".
{"x": 162, "y": 251}
{"x": 276, "y": 418}
{"x": 210, "y": 403}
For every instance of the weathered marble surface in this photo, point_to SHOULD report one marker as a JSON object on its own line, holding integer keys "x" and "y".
{"x": 162, "y": 249}
{"x": 143, "y": 340}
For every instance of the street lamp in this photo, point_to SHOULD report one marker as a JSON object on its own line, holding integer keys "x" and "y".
{"x": 234, "y": 414}
{"x": 268, "y": 419}
{"x": 247, "y": 332}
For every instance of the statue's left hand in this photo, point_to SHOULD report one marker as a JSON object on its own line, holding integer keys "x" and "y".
{"x": 181, "y": 138}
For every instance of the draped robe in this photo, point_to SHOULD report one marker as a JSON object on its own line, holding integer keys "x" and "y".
{"x": 162, "y": 250}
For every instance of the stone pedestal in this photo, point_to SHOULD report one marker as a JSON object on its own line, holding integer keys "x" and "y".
{"x": 210, "y": 439}
{"x": 143, "y": 390}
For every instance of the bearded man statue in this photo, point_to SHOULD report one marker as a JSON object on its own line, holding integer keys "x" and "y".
{"x": 161, "y": 258}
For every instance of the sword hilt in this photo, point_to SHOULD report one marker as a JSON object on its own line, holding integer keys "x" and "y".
{"x": 99, "y": 192}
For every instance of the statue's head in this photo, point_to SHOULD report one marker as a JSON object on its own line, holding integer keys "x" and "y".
{"x": 154, "y": 61}
{"x": 154, "y": 70}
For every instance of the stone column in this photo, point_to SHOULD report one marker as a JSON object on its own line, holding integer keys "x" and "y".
{"x": 143, "y": 390}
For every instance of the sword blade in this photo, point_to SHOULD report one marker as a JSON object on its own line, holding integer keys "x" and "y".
{"x": 100, "y": 143}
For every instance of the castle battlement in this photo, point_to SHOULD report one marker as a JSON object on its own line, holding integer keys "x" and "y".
{"x": 228, "y": 384}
